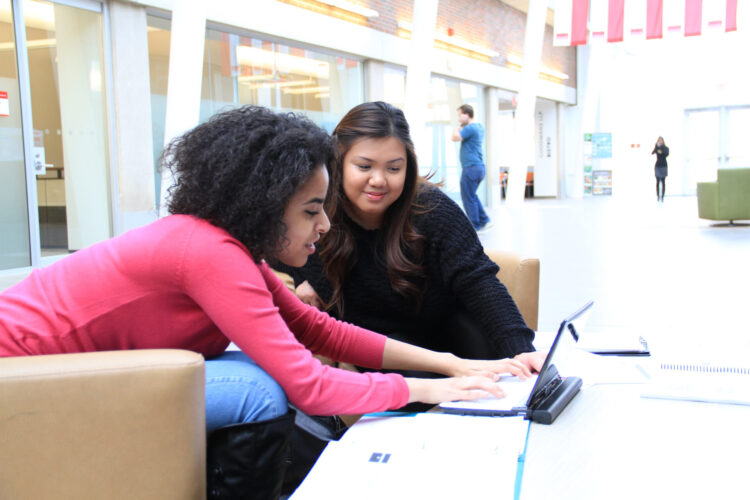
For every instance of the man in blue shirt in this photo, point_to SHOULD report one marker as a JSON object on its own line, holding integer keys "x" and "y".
{"x": 470, "y": 135}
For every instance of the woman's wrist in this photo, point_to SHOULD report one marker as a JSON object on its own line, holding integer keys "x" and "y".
{"x": 450, "y": 364}
{"x": 416, "y": 389}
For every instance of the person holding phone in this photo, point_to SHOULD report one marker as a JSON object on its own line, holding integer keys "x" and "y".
{"x": 660, "y": 168}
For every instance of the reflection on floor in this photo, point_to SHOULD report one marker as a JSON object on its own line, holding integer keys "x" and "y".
{"x": 650, "y": 267}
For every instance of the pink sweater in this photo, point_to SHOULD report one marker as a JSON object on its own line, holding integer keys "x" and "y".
{"x": 181, "y": 282}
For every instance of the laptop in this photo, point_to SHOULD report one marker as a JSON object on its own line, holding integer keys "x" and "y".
{"x": 541, "y": 398}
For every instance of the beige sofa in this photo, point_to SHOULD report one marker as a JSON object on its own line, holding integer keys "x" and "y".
{"x": 104, "y": 425}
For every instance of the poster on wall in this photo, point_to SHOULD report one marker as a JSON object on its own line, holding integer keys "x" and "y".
{"x": 602, "y": 182}
{"x": 587, "y": 164}
{"x": 601, "y": 145}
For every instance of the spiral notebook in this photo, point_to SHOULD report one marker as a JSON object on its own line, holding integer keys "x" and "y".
{"x": 710, "y": 382}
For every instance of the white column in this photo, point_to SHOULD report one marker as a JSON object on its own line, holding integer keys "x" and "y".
{"x": 132, "y": 117}
{"x": 492, "y": 161}
{"x": 522, "y": 155}
{"x": 185, "y": 77}
{"x": 418, "y": 70}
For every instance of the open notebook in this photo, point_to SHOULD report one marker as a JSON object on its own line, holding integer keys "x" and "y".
{"x": 541, "y": 398}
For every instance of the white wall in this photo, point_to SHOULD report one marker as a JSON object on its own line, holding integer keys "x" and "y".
{"x": 545, "y": 149}
{"x": 639, "y": 91}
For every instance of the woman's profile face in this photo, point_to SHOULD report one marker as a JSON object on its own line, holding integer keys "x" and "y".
{"x": 659, "y": 141}
{"x": 373, "y": 177}
{"x": 305, "y": 219}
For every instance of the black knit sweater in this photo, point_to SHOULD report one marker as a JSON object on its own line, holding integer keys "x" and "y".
{"x": 458, "y": 275}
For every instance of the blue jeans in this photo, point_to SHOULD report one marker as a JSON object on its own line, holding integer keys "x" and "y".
{"x": 239, "y": 391}
{"x": 470, "y": 179}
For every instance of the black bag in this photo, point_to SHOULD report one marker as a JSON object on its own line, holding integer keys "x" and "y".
{"x": 310, "y": 436}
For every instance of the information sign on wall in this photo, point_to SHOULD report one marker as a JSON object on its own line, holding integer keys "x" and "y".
{"x": 601, "y": 145}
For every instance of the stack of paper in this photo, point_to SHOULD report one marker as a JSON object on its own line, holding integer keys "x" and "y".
{"x": 427, "y": 455}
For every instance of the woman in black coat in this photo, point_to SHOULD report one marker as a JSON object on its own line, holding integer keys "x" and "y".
{"x": 660, "y": 169}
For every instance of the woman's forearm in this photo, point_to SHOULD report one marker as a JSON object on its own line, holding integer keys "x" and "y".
{"x": 402, "y": 356}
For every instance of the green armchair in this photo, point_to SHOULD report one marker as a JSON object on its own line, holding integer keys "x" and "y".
{"x": 726, "y": 199}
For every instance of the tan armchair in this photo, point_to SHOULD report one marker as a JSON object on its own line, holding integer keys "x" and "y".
{"x": 520, "y": 275}
{"x": 114, "y": 425}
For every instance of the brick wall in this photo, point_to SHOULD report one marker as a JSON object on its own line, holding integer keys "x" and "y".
{"x": 488, "y": 23}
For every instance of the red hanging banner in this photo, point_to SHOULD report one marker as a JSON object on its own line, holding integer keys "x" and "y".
{"x": 579, "y": 29}
{"x": 654, "y": 19}
{"x": 693, "y": 19}
{"x": 731, "y": 22}
{"x": 616, "y": 23}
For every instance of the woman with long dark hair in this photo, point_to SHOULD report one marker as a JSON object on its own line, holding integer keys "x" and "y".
{"x": 401, "y": 257}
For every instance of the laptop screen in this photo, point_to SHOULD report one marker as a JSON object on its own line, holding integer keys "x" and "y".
{"x": 548, "y": 372}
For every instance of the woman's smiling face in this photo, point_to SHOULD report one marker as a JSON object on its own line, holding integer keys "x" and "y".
{"x": 374, "y": 173}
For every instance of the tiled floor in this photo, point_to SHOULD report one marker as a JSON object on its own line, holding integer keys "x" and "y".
{"x": 654, "y": 268}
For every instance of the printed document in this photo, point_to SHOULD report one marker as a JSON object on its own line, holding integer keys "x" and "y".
{"x": 427, "y": 455}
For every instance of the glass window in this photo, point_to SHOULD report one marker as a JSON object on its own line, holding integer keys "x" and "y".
{"x": 394, "y": 86}
{"x": 158, "y": 62}
{"x": 68, "y": 113}
{"x": 442, "y": 158}
{"x": 14, "y": 215}
{"x": 242, "y": 70}
{"x": 239, "y": 70}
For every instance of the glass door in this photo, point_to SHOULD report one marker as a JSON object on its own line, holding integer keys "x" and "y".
{"x": 64, "y": 47}
{"x": 737, "y": 150}
{"x": 15, "y": 248}
{"x": 716, "y": 138}
{"x": 702, "y": 157}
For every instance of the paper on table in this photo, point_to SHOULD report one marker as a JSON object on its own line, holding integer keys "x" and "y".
{"x": 429, "y": 455}
{"x": 594, "y": 369}
{"x": 712, "y": 382}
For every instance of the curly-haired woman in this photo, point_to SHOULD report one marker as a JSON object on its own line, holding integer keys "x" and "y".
{"x": 250, "y": 187}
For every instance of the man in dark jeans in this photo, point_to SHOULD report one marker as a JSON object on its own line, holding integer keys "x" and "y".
{"x": 471, "y": 135}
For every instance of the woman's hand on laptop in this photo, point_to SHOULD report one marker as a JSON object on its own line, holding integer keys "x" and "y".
{"x": 439, "y": 390}
{"x": 532, "y": 360}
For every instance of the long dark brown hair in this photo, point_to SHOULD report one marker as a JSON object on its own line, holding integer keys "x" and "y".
{"x": 402, "y": 243}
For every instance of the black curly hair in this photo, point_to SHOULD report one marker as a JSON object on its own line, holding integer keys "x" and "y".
{"x": 239, "y": 169}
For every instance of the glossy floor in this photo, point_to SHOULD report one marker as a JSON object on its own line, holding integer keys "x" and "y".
{"x": 653, "y": 268}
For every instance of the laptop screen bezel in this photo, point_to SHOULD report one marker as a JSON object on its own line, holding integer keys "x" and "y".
{"x": 540, "y": 382}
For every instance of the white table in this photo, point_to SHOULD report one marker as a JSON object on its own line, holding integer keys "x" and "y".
{"x": 610, "y": 443}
